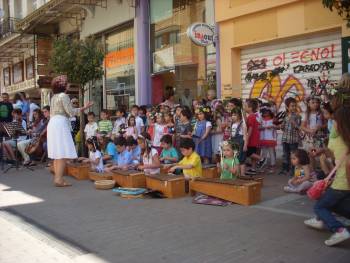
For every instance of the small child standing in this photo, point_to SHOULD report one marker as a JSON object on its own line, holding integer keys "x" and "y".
{"x": 138, "y": 120}
{"x": 120, "y": 113}
{"x": 268, "y": 137}
{"x": 131, "y": 130}
{"x": 251, "y": 107}
{"x": 169, "y": 154}
{"x": 183, "y": 129}
{"x": 239, "y": 136}
{"x": 328, "y": 115}
{"x": 201, "y": 134}
{"x": 95, "y": 156}
{"x": 229, "y": 165}
{"x": 91, "y": 127}
{"x": 217, "y": 133}
{"x": 105, "y": 125}
{"x": 160, "y": 129}
{"x": 301, "y": 180}
{"x": 290, "y": 136}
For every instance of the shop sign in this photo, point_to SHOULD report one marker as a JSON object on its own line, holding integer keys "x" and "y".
{"x": 119, "y": 58}
{"x": 201, "y": 34}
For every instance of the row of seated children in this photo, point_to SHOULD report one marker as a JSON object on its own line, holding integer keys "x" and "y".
{"x": 139, "y": 154}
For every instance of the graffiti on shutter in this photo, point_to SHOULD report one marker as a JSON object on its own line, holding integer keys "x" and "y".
{"x": 293, "y": 69}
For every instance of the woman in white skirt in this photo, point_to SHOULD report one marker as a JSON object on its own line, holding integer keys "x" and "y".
{"x": 60, "y": 145}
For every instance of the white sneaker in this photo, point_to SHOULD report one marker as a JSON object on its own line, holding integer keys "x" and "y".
{"x": 314, "y": 223}
{"x": 338, "y": 237}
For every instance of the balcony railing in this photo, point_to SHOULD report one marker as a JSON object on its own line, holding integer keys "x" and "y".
{"x": 8, "y": 27}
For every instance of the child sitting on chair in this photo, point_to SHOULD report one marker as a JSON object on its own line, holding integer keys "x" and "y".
{"x": 150, "y": 158}
{"x": 169, "y": 154}
{"x": 229, "y": 164}
{"x": 134, "y": 149}
{"x": 124, "y": 159}
{"x": 191, "y": 162}
{"x": 95, "y": 156}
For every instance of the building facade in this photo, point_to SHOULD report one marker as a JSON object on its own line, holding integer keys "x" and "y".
{"x": 276, "y": 49}
{"x": 146, "y": 43}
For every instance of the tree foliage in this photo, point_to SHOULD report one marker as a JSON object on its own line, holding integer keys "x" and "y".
{"x": 80, "y": 60}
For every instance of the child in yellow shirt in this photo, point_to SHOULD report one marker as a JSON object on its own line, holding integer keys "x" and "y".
{"x": 191, "y": 162}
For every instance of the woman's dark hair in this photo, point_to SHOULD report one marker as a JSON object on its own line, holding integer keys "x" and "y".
{"x": 121, "y": 141}
{"x": 130, "y": 141}
{"x": 302, "y": 156}
{"x": 131, "y": 117}
{"x": 17, "y": 97}
{"x": 169, "y": 92}
{"x": 187, "y": 143}
{"x": 167, "y": 139}
{"x": 341, "y": 116}
{"x": 59, "y": 85}
{"x": 288, "y": 101}
{"x": 187, "y": 113}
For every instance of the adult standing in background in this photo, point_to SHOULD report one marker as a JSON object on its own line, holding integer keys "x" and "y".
{"x": 25, "y": 107}
{"x": 32, "y": 107}
{"x": 169, "y": 97}
{"x": 186, "y": 99}
{"x": 6, "y": 108}
{"x": 59, "y": 139}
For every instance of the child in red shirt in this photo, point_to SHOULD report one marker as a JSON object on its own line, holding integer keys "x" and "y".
{"x": 251, "y": 107}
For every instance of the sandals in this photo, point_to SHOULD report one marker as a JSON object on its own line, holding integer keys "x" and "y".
{"x": 63, "y": 184}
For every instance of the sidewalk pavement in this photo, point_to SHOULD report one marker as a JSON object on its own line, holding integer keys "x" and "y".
{"x": 80, "y": 223}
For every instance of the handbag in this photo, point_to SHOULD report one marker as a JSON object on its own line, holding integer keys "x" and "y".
{"x": 319, "y": 187}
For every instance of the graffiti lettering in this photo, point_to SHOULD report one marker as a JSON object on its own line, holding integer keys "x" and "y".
{"x": 327, "y": 65}
{"x": 266, "y": 75}
{"x": 256, "y": 64}
{"x": 277, "y": 90}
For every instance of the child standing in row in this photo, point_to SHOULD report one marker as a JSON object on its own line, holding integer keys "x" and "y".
{"x": 131, "y": 130}
{"x": 105, "y": 125}
{"x": 120, "y": 120}
{"x": 268, "y": 137}
{"x": 160, "y": 129}
{"x": 290, "y": 136}
{"x": 201, "y": 134}
{"x": 251, "y": 107}
{"x": 91, "y": 127}
{"x": 239, "y": 136}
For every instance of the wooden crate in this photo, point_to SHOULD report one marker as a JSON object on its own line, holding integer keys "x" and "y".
{"x": 129, "y": 178}
{"x": 172, "y": 186}
{"x": 258, "y": 179}
{"x": 164, "y": 170}
{"x": 78, "y": 171}
{"x": 93, "y": 176}
{"x": 237, "y": 191}
{"x": 210, "y": 171}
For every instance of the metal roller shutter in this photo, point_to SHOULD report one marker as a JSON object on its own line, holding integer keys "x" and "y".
{"x": 293, "y": 68}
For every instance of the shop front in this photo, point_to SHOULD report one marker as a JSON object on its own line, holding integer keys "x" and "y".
{"x": 279, "y": 49}
{"x": 176, "y": 60}
{"x": 119, "y": 68}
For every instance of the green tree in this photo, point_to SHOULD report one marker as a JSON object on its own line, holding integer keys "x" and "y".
{"x": 341, "y": 6}
{"x": 81, "y": 61}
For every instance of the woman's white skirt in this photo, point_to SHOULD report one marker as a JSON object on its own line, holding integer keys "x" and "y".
{"x": 60, "y": 143}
